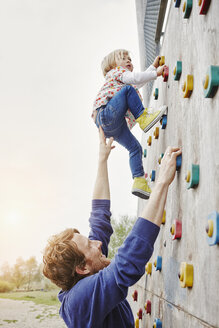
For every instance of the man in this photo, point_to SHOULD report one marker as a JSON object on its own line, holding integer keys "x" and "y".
{"x": 94, "y": 289}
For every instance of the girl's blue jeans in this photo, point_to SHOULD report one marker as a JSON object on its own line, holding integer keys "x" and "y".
{"x": 111, "y": 118}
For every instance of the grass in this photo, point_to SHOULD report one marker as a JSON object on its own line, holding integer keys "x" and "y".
{"x": 38, "y": 297}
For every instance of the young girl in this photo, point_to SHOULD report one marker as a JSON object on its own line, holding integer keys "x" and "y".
{"x": 118, "y": 107}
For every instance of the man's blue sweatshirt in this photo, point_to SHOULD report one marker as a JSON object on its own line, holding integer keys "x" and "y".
{"x": 99, "y": 301}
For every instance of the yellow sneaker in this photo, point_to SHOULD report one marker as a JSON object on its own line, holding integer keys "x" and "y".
{"x": 147, "y": 121}
{"x": 140, "y": 188}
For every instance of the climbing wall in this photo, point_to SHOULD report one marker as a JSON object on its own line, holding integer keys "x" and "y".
{"x": 181, "y": 286}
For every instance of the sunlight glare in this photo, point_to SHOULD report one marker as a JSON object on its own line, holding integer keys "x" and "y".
{"x": 13, "y": 217}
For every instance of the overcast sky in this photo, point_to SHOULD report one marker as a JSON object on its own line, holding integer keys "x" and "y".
{"x": 50, "y": 55}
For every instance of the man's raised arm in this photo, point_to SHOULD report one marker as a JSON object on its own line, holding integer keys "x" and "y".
{"x": 154, "y": 208}
{"x": 101, "y": 187}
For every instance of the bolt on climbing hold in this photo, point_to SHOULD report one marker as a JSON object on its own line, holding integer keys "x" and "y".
{"x": 137, "y": 323}
{"x": 164, "y": 217}
{"x": 157, "y": 323}
{"x": 176, "y": 230}
{"x": 158, "y": 263}
{"x": 187, "y": 87}
{"x": 204, "y": 4}
{"x": 187, "y": 8}
{"x": 192, "y": 177}
{"x": 147, "y": 306}
{"x": 152, "y": 175}
{"x": 135, "y": 296}
{"x": 211, "y": 81}
{"x": 145, "y": 152}
{"x": 177, "y": 70}
{"x": 149, "y": 140}
{"x": 177, "y": 3}
{"x": 212, "y": 228}
{"x": 156, "y": 132}
{"x": 148, "y": 268}
{"x": 178, "y": 162}
{"x": 162, "y": 60}
{"x": 139, "y": 314}
{"x": 163, "y": 121}
{"x": 186, "y": 275}
{"x": 160, "y": 158}
{"x": 165, "y": 73}
{"x": 156, "y": 93}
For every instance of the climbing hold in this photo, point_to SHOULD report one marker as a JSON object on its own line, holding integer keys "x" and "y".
{"x": 156, "y": 133}
{"x": 156, "y": 93}
{"x": 135, "y": 296}
{"x": 145, "y": 175}
{"x": 186, "y": 275}
{"x": 176, "y": 230}
{"x": 188, "y": 86}
{"x": 192, "y": 177}
{"x": 148, "y": 268}
{"x": 211, "y": 81}
{"x": 157, "y": 323}
{"x": 160, "y": 158}
{"x": 145, "y": 152}
{"x": 212, "y": 228}
{"x": 178, "y": 162}
{"x": 165, "y": 73}
{"x": 158, "y": 263}
{"x": 149, "y": 140}
{"x": 187, "y": 8}
{"x": 163, "y": 121}
{"x": 147, "y": 306}
{"x": 152, "y": 175}
{"x": 177, "y": 70}
{"x": 204, "y": 6}
{"x": 162, "y": 60}
{"x": 139, "y": 314}
{"x": 164, "y": 217}
{"x": 177, "y": 3}
{"x": 137, "y": 323}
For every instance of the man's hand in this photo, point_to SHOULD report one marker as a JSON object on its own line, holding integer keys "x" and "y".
{"x": 168, "y": 165}
{"x": 105, "y": 147}
{"x": 153, "y": 210}
{"x": 101, "y": 187}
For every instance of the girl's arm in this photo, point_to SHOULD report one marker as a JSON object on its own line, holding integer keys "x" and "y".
{"x": 139, "y": 78}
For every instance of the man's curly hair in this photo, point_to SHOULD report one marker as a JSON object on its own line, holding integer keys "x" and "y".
{"x": 60, "y": 258}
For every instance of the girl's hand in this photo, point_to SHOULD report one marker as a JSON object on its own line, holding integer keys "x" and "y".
{"x": 160, "y": 70}
{"x": 156, "y": 61}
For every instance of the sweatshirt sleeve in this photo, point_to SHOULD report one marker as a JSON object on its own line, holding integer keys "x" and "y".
{"x": 104, "y": 291}
{"x": 100, "y": 226}
{"x": 139, "y": 78}
{"x": 112, "y": 283}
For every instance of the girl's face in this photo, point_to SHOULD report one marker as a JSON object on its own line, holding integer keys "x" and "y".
{"x": 125, "y": 61}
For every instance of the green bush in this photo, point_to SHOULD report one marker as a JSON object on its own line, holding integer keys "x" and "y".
{"x": 5, "y": 286}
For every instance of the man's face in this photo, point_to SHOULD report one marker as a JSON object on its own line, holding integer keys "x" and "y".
{"x": 95, "y": 260}
{"x": 125, "y": 61}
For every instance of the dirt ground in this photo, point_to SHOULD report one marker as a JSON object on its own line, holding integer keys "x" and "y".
{"x": 26, "y": 314}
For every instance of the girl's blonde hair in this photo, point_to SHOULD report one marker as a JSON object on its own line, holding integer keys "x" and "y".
{"x": 109, "y": 62}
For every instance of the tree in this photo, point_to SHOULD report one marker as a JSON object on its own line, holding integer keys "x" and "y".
{"x": 121, "y": 229}
{"x": 18, "y": 272}
{"x": 31, "y": 268}
{"x": 6, "y": 273}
